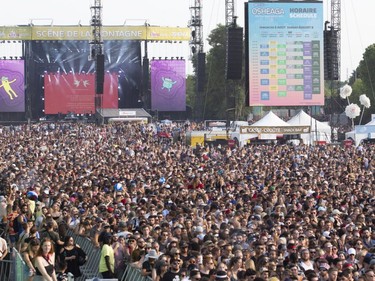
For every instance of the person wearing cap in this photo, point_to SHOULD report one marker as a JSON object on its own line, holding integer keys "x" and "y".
{"x": 351, "y": 259}
{"x": 104, "y": 231}
{"x": 195, "y": 275}
{"x": 221, "y": 276}
{"x": 122, "y": 229}
{"x": 322, "y": 264}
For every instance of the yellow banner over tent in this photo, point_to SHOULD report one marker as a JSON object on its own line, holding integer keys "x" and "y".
{"x": 84, "y": 33}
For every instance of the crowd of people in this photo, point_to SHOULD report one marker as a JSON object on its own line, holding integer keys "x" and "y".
{"x": 260, "y": 212}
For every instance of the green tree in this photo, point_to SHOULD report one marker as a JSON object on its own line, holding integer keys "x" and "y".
{"x": 362, "y": 80}
{"x": 214, "y": 97}
{"x": 190, "y": 90}
{"x": 220, "y": 93}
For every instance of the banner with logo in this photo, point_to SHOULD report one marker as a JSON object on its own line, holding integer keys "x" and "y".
{"x": 168, "y": 85}
{"x": 12, "y": 89}
{"x": 64, "y": 93}
{"x": 289, "y": 130}
{"x": 85, "y": 33}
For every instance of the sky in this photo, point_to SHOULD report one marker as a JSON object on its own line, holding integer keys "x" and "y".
{"x": 357, "y": 24}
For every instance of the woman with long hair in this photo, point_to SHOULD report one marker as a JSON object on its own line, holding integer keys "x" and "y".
{"x": 44, "y": 262}
{"x": 70, "y": 253}
{"x": 235, "y": 265}
{"x": 29, "y": 255}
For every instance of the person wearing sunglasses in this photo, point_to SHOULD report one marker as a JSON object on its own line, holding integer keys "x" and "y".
{"x": 174, "y": 270}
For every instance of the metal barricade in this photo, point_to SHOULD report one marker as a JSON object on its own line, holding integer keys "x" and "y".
{"x": 91, "y": 268}
{"x": 13, "y": 267}
{"x": 133, "y": 274}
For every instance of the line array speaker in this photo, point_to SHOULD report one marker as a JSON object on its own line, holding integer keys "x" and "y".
{"x": 201, "y": 73}
{"x": 99, "y": 74}
{"x": 233, "y": 67}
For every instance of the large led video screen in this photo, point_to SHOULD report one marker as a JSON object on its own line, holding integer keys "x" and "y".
{"x": 12, "y": 89}
{"x": 168, "y": 85}
{"x": 75, "y": 93}
{"x": 285, "y": 53}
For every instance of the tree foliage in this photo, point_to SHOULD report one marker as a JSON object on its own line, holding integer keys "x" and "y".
{"x": 363, "y": 79}
{"x": 219, "y": 92}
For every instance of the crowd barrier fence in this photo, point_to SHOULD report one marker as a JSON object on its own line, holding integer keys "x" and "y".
{"x": 15, "y": 269}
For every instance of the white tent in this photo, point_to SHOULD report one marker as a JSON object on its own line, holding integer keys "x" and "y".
{"x": 319, "y": 130}
{"x": 270, "y": 120}
{"x": 361, "y": 134}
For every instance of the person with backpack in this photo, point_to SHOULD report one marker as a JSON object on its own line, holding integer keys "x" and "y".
{"x": 49, "y": 232}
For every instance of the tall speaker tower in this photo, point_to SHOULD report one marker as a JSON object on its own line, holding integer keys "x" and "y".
{"x": 196, "y": 45}
{"x": 96, "y": 51}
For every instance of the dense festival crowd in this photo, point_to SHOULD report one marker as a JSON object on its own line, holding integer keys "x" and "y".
{"x": 261, "y": 212}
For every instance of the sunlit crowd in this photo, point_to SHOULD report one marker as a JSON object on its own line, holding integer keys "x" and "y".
{"x": 176, "y": 212}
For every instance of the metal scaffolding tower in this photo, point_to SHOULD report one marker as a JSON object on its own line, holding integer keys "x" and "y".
{"x": 336, "y": 27}
{"x": 96, "y": 43}
{"x": 96, "y": 54}
{"x": 229, "y": 13}
{"x": 198, "y": 55}
{"x": 196, "y": 26}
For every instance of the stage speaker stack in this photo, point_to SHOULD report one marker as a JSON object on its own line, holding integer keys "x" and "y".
{"x": 331, "y": 59}
{"x": 201, "y": 73}
{"x": 233, "y": 67}
{"x": 99, "y": 74}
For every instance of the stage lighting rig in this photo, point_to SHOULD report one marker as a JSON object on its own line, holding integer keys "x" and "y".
{"x": 96, "y": 43}
{"x": 96, "y": 51}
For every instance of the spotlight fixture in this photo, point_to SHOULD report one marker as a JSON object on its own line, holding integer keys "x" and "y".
{"x": 166, "y": 58}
